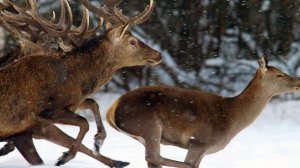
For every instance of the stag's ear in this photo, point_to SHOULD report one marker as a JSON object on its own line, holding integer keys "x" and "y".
{"x": 118, "y": 33}
{"x": 108, "y": 26}
{"x": 263, "y": 63}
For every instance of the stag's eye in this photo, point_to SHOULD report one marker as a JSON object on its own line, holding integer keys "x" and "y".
{"x": 280, "y": 76}
{"x": 132, "y": 42}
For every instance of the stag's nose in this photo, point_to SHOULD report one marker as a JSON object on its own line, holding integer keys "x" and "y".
{"x": 158, "y": 58}
{"x": 155, "y": 59}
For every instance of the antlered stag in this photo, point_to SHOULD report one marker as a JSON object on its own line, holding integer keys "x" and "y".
{"x": 43, "y": 88}
{"x": 30, "y": 45}
{"x": 199, "y": 121}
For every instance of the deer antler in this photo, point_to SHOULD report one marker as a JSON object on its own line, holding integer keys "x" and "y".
{"x": 26, "y": 24}
{"x": 114, "y": 16}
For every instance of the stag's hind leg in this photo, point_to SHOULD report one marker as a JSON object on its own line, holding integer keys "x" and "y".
{"x": 55, "y": 135}
{"x": 101, "y": 134}
{"x": 7, "y": 148}
{"x": 23, "y": 142}
{"x": 68, "y": 117}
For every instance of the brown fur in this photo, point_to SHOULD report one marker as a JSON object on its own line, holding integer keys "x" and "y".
{"x": 199, "y": 121}
{"x": 35, "y": 88}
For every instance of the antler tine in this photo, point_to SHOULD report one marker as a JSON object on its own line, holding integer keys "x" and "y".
{"x": 49, "y": 27}
{"x": 53, "y": 17}
{"x": 27, "y": 46}
{"x": 101, "y": 12}
{"x": 113, "y": 3}
{"x": 142, "y": 17}
{"x": 95, "y": 30}
{"x": 122, "y": 19}
{"x": 21, "y": 18}
{"x": 62, "y": 19}
{"x": 28, "y": 24}
{"x": 83, "y": 27}
{"x": 13, "y": 23}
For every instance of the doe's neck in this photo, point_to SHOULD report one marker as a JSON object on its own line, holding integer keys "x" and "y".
{"x": 250, "y": 103}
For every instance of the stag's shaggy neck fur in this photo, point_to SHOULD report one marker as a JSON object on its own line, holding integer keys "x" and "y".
{"x": 92, "y": 64}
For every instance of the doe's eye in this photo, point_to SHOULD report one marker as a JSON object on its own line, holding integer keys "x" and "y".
{"x": 280, "y": 76}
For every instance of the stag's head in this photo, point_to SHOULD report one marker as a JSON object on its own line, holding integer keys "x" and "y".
{"x": 274, "y": 80}
{"x": 129, "y": 50}
{"x": 30, "y": 28}
{"x": 123, "y": 46}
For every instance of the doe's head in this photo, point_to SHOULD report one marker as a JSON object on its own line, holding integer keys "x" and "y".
{"x": 274, "y": 80}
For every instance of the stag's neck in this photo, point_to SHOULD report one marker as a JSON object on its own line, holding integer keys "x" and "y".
{"x": 250, "y": 103}
{"x": 91, "y": 66}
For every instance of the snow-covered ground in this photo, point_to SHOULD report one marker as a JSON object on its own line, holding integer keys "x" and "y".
{"x": 272, "y": 141}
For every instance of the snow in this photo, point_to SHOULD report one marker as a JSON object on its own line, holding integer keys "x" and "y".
{"x": 272, "y": 141}
{"x": 265, "y": 6}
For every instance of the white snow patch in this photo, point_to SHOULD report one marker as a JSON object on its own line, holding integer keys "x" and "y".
{"x": 272, "y": 141}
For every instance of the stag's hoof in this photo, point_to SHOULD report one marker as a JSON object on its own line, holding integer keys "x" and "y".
{"x": 6, "y": 149}
{"x": 97, "y": 145}
{"x": 65, "y": 158}
{"x": 99, "y": 140}
{"x": 119, "y": 164}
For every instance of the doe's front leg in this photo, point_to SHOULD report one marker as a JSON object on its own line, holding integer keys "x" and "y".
{"x": 195, "y": 153}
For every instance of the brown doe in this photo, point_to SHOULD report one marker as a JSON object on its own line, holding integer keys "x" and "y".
{"x": 201, "y": 122}
{"x": 46, "y": 87}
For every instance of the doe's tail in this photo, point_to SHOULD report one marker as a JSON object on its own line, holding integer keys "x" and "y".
{"x": 110, "y": 115}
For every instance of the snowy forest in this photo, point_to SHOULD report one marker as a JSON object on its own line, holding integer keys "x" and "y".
{"x": 210, "y": 45}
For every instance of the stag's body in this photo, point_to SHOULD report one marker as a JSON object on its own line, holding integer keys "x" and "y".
{"x": 48, "y": 86}
{"x": 46, "y": 83}
{"x": 201, "y": 122}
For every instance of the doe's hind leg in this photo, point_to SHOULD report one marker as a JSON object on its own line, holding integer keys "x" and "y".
{"x": 195, "y": 153}
{"x": 152, "y": 148}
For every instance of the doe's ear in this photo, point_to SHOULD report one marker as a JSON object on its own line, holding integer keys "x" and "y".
{"x": 263, "y": 63}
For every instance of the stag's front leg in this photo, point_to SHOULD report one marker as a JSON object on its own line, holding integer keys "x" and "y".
{"x": 101, "y": 134}
{"x": 69, "y": 118}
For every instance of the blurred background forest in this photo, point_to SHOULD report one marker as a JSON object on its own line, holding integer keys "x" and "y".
{"x": 206, "y": 44}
